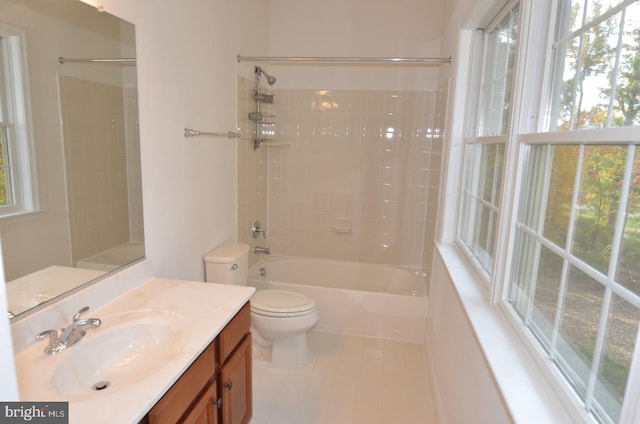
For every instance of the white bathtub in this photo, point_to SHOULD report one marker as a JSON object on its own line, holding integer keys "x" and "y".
{"x": 352, "y": 298}
{"x": 113, "y": 258}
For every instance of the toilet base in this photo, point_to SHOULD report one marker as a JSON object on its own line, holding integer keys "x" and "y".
{"x": 291, "y": 352}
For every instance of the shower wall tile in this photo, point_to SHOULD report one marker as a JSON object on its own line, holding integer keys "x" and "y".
{"x": 95, "y": 165}
{"x": 358, "y": 158}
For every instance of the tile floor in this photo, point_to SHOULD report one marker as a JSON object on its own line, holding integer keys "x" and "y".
{"x": 348, "y": 379}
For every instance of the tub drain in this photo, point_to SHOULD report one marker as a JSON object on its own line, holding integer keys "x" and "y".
{"x": 101, "y": 385}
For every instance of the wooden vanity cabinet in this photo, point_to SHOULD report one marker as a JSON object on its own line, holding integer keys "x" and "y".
{"x": 217, "y": 386}
{"x": 236, "y": 385}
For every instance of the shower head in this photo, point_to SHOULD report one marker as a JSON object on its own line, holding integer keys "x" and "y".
{"x": 270, "y": 78}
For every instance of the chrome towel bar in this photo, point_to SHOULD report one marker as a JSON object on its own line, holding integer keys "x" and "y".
{"x": 63, "y": 60}
{"x": 188, "y": 132}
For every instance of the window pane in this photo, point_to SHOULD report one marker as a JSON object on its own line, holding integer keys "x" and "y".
{"x": 491, "y": 176}
{"x": 576, "y": 14}
{"x": 627, "y": 94}
{"x": 598, "y": 81}
{"x": 579, "y": 327}
{"x": 628, "y": 270}
{"x": 615, "y": 363}
{"x": 497, "y": 76}
{"x": 566, "y": 86}
{"x": 481, "y": 196}
{"x": 563, "y": 172}
{"x": 598, "y": 67}
{"x": 547, "y": 290}
{"x": 593, "y": 339}
{"x": 601, "y": 179}
{"x": 596, "y": 8}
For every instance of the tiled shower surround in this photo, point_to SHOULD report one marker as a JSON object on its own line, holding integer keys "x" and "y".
{"x": 354, "y": 175}
{"x": 99, "y": 217}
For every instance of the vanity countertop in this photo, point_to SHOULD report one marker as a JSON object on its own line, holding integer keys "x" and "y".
{"x": 202, "y": 311}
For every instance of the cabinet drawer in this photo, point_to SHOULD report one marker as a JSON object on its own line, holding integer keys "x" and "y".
{"x": 181, "y": 395}
{"x": 234, "y": 331}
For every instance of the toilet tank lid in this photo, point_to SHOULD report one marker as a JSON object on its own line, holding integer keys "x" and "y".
{"x": 228, "y": 252}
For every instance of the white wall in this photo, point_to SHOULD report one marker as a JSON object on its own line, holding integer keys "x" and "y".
{"x": 467, "y": 390}
{"x": 364, "y": 28}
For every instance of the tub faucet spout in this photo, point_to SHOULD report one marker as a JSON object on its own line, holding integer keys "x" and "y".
{"x": 264, "y": 250}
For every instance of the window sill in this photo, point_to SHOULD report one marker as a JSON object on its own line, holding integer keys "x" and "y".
{"x": 528, "y": 395}
{"x": 19, "y": 216}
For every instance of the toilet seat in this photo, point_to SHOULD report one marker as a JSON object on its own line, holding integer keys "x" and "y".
{"x": 281, "y": 303}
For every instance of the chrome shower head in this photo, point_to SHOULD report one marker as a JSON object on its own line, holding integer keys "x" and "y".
{"x": 270, "y": 78}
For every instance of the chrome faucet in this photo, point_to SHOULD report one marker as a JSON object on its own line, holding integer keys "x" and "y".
{"x": 70, "y": 335}
{"x": 264, "y": 250}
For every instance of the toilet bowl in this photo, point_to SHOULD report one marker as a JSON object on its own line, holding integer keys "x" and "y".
{"x": 281, "y": 318}
{"x": 284, "y": 318}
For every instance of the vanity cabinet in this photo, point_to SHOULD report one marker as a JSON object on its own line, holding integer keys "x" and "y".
{"x": 217, "y": 386}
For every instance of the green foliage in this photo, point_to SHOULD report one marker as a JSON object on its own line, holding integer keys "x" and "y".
{"x": 595, "y": 56}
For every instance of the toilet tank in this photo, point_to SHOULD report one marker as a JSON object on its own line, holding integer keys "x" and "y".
{"x": 227, "y": 264}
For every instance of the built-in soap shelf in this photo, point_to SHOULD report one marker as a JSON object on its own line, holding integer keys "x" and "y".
{"x": 343, "y": 225}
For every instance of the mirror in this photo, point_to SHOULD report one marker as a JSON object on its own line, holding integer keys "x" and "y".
{"x": 74, "y": 150}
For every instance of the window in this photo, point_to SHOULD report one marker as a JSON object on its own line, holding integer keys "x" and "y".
{"x": 597, "y": 65}
{"x": 576, "y": 279}
{"x": 485, "y": 145}
{"x": 550, "y": 191}
{"x": 575, "y": 266}
{"x": 16, "y": 191}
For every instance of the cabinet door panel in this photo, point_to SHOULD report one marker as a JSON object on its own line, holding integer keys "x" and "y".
{"x": 183, "y": 393}
{"x": 236, "y": 385}
{"x": 205, "y": 411}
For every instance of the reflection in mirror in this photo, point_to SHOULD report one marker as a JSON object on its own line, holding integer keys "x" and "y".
{"x": 70, "y": 184}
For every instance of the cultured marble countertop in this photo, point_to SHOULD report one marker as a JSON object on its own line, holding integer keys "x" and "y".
{"x": 206, "y": 309}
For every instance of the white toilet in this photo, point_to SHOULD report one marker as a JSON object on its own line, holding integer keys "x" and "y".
{"x": 280, "y": 317}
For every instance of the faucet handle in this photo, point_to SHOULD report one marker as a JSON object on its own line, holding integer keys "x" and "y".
{"x": 54, "y": 345}
{"x": 256, "y": 229}
{"x": 76, "y": 317}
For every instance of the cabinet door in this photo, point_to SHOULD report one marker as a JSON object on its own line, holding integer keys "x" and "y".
{"x": 205, "y": 411}
{"x": 236, "y": 385}
{"x": 182, "y": 395}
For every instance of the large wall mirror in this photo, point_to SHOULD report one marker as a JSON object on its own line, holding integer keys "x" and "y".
{"x": 70, "y": 184}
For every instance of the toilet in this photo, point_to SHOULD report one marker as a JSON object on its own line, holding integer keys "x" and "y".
{"x": 280, "y": 319}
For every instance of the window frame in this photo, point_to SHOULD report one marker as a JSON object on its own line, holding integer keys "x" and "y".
{"x": 471, "y": 139}
{"x": 18, "y": 123}
{"x": 531, "y": 112}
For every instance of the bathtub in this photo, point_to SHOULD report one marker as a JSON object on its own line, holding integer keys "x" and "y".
{"x": 352, "y": 298}
{"x": 113, "y": 258}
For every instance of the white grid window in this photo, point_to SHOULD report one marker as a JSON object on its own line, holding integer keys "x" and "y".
{"x": 597, "y": 68}
{"x": 485, "y": 145}
{"x": 574, "y": 278}
{"x": 16, "y": 185}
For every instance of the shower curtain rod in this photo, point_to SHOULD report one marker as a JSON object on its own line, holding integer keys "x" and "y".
{"x": 63, "y": 60}
{"x": 413, "y": 60}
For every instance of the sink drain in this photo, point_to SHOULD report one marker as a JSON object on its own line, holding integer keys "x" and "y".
{"x": 101, "y": 385}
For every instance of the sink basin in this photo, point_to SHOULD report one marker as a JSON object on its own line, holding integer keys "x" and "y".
{"x": 126, "y": 349}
